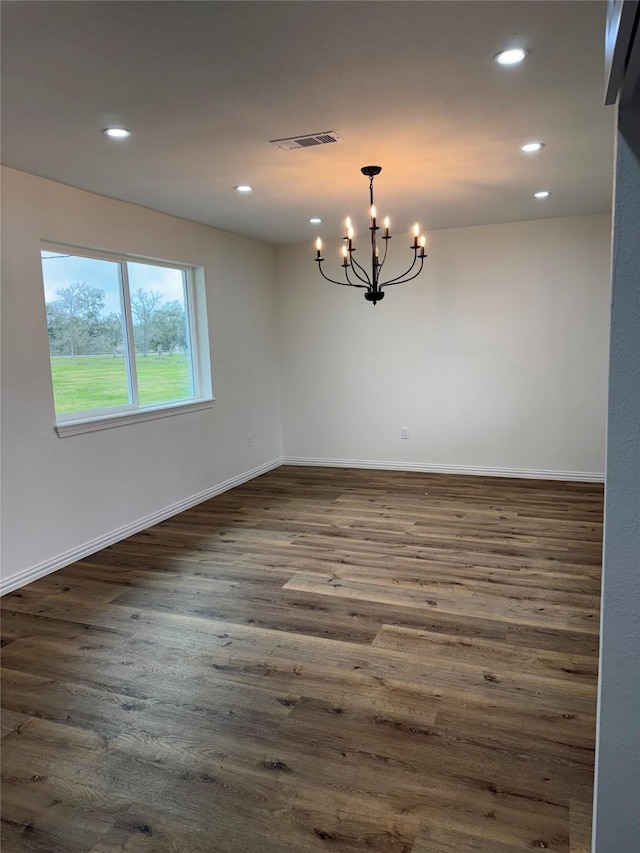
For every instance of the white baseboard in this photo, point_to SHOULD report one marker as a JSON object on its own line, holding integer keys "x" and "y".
{"x": 527, "y": 473}
{"x": 58, "y": 562}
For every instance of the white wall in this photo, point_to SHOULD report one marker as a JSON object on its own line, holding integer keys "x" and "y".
{"x": 495, "y": 358}
{"x": 61, "y": 495}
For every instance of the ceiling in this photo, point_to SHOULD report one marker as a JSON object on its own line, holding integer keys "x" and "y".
{"x": 411, "y": 86}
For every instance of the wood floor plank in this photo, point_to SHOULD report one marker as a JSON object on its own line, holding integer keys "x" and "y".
{"x": 11, "y": 720}
{"x": 320, "y": 658}
{"x": 34, "y": 822}
{"x": 458, "y": 601}
{"x": 16, "y": 624}
{"x": 485, "y": 653}
{"x": 448, "y": 838}
{"x": 220, "y": 705}
{"x": 398, "y": 743}
{"x": 580, "y": 826}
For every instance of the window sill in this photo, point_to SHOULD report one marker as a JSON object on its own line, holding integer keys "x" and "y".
{"x": 67, "y": 428}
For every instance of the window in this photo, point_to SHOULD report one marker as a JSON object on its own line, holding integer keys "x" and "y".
{"x": 126, "y": 338}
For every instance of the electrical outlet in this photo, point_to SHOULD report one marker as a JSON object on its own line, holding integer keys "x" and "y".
{"x": 404, "y": 432}
{"x": 249, "y": 440}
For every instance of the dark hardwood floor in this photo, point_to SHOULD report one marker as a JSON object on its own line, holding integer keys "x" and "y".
{"x": 321, "y": 659}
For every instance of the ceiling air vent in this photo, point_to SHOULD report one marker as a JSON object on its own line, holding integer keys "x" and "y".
{"x": 293, "y": 142}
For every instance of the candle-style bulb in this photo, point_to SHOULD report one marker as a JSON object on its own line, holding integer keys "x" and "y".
{"x": 423, "y": 241}
{"x": 347, "y": 223}
{"x": 387, "y": 222}
{"x": 345, "y": 251}
{"x": 319, "y": 244}
{"x": 416, "y": 230}
{"x": 373, "y": 211}
{"x": 350, "y": 233}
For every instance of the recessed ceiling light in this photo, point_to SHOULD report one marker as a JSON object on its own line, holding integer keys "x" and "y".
{"x": 243, "y": 188}
{"x": 315, "y": 220}
{"x": 532, "y": 147}
{"x": 510, "y": 57}
{"x": 542, "y": 194}
{"x": 116, "y": 132}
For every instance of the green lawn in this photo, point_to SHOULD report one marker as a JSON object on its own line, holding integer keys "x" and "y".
{"x": 97, "y": 382}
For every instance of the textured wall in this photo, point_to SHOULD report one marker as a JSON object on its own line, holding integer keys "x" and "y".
{"x": 617, "y": 798}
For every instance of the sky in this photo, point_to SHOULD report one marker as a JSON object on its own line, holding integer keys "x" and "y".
{"x": 59, "y": 270}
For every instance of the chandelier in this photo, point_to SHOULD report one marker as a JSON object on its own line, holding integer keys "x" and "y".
{"x": 354, "y": 273}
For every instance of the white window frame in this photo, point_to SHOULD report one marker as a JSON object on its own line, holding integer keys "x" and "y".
{"x": 200, "y": 370}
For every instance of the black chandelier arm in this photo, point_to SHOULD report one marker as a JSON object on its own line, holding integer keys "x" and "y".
{"x": 405, "y": 280}
{"x": 364, "y": 277}
{"x": 384, "y": 257}
{"x": 407, "y": 271}
{"x": 333, "y": 281}
{"x": 366, "y": 284}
